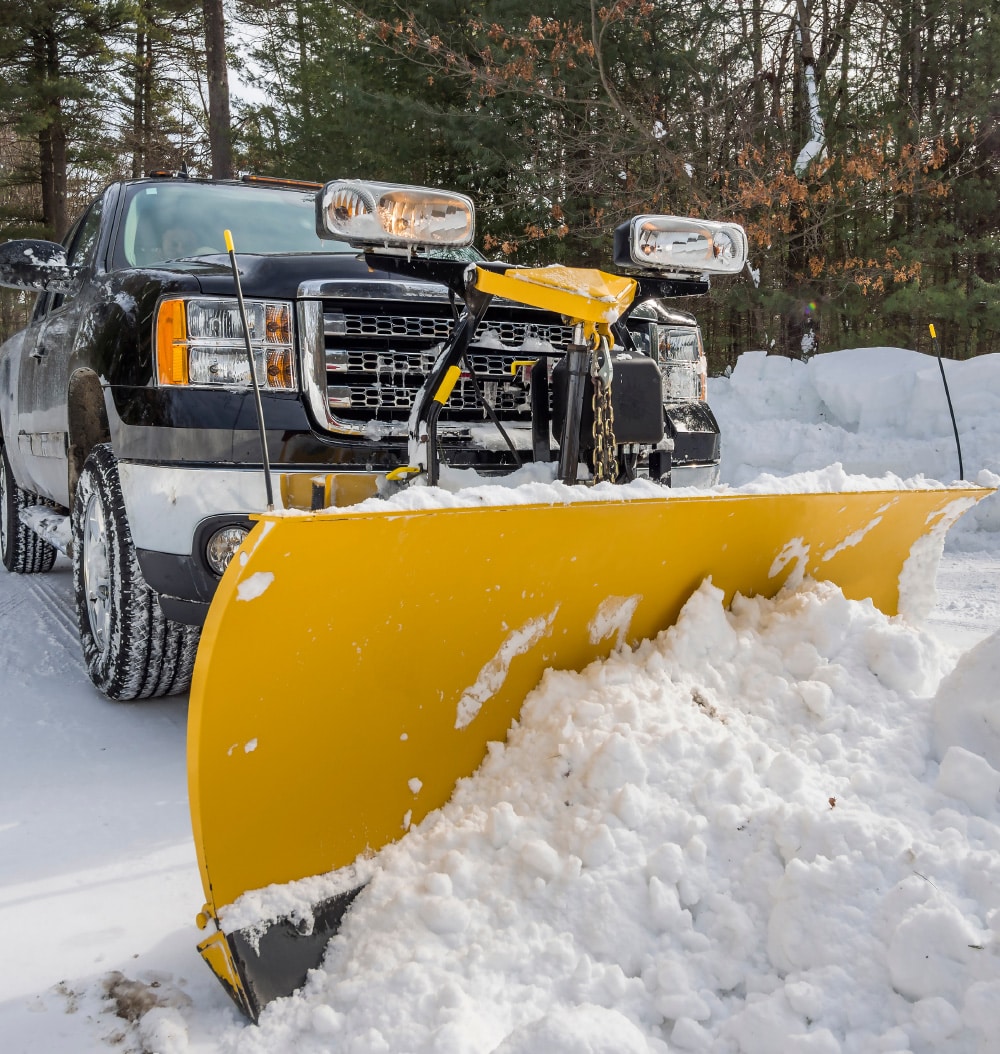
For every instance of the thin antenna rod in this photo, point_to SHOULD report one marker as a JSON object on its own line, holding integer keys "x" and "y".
{"x": 253, "y": 372}
{"x": 951, "y": 409}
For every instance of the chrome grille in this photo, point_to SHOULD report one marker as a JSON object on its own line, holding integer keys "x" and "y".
{"x": 395, "y": 326}
{"x": 376, "y": 360}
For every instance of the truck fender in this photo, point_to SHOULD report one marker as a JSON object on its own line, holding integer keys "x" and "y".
{"x": 87, "y": 421}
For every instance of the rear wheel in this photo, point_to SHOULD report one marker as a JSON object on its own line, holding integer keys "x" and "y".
{"x": 131, "y": 650}
{"x": 21, "y": 549}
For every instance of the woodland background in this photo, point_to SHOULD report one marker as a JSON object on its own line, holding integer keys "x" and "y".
{"x": 561, "y": 124}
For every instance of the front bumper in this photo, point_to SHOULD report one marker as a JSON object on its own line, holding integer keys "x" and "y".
{"x": 174, "y": 510}
{"x": 694, "y": 475}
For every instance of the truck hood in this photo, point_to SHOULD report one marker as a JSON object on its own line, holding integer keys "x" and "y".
{"x": 292, "y": 275}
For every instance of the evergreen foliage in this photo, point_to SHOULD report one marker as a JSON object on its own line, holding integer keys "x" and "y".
{"x": 563, "y": 120}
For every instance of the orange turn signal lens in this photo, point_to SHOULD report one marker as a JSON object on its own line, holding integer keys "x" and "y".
{"x": 277, "y": 324}
{"x": 279, "y": 368}
{"x": 171, "y": 343}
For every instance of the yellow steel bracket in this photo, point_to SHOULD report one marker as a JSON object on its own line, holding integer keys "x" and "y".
{"x": 519, "y": 364}
{"x": 582, "y": 295}
{"x": 403, "y": 472}
{"x": 443, "y": 394}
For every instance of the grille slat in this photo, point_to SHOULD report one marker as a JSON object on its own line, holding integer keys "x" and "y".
{"x": 377, "y": 360}
{"x": 411, "y": 326}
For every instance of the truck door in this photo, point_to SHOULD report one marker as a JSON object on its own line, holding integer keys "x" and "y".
{"x": 42, "y": 421}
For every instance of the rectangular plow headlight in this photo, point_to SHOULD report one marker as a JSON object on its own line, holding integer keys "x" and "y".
{"x": 394, "y": 216}
{"x": 199, "y": 342}
{"x": 680, "y": 245}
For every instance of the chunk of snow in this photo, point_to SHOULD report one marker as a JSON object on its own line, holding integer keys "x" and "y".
{"x": 494, "y": 673}
{"x": 254, "y": 586}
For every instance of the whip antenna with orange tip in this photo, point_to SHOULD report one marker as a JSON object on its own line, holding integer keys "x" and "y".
{"x": 253, "y": 371}
{"x": 947, "y": 394}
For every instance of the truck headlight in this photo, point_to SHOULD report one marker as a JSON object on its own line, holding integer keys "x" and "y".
{"x": 199, "y": 342}
{"x": 394, "y": 216}
{"x": 681, "y": 356}
{"x": 680, "y": 245}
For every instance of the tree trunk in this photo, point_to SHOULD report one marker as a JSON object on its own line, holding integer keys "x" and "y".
{"x": 140, "y": 102}
{"x": 219, "y": 130}
{"x": 51, "y": 137}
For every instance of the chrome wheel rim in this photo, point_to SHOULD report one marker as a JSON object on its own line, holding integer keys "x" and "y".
{"x": 97, "y": 572}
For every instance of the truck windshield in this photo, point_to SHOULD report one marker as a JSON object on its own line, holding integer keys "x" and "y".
{"x": 172, "y": 221}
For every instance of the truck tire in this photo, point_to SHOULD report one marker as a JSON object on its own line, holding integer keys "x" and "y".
{"x": 130, "y": 649}
{"x": 22, "y": 551}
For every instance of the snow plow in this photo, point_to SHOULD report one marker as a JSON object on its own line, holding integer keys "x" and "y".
{"x": 405, "y": 638}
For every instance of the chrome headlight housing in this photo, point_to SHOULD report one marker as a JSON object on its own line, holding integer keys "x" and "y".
{"x": 390, "y": 215}
{"x": 199, "y": 342}
{"x": 680, "y": 245}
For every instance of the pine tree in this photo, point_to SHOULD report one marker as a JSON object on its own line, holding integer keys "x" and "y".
{"x": 53, "y": 61}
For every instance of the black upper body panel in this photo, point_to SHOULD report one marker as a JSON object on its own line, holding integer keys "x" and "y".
{"x": 144, "y": 240}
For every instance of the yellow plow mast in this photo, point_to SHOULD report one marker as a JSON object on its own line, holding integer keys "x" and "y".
{"x": 355, "y": 664}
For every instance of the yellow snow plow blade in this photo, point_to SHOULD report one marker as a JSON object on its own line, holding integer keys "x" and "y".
{"x": 355, "y": 665}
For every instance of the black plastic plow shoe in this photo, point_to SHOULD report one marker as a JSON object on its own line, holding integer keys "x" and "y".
{"x": 275, "y": 962}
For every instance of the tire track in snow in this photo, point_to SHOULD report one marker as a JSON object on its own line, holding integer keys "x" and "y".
{"x": 57, "y": 612}
{"x": 38, "y": 620}
{"x": 968, "y": 601}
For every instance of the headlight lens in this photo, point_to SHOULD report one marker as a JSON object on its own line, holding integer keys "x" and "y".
{"x": 200, "y": 342}
{"x": 682, "y": 363}
{"x": 387, "y": 214}
{"x": 679, "y": 244}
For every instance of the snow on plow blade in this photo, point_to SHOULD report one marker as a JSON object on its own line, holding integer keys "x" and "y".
{"x": 355, "y": 665}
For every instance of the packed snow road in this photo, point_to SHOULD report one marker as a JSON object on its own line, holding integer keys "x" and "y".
{"x": 97, "y": 865}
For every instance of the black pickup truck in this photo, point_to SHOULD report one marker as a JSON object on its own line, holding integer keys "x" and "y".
{"x": 129, "y": 431}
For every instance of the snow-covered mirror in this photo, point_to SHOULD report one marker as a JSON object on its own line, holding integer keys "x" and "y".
{"x": 35, "y": 265}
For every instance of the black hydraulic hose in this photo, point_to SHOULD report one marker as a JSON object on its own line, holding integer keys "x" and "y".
{"x": 490, "y": 410}
{"x": 253, "y": 372}
{"x": 951, "y": 409}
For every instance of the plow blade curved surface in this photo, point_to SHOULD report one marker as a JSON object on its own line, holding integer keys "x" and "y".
{"x": 355, "y": 665}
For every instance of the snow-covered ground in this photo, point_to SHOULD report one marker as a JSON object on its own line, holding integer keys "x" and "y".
{"x": 773, "y": 829}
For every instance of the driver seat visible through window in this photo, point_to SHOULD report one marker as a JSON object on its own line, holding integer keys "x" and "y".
{"x": 146, "y": 248}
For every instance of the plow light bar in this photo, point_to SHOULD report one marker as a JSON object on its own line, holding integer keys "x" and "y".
{"x": 680, "y": 245}
{"x": 393, "y": 216}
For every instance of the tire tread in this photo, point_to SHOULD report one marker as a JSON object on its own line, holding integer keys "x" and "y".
{"x": 149, "y": 655}
{"x": 24, "y": 552}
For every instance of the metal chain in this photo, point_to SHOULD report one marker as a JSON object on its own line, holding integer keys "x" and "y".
{"x": 605, "y": 444}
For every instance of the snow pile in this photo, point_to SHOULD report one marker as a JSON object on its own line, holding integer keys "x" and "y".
{"x": 761, "y": 832}
{"x": 874, "y": 410}
{"x": 733, "y": 839}
{"x": 966, "y": 714}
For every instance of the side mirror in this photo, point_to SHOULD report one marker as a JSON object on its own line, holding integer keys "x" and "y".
{"x": 35, "y": 265}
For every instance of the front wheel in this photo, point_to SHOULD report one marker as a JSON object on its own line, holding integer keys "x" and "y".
{"x": 131, "y": 650}
{"x": 21, "y": 550}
